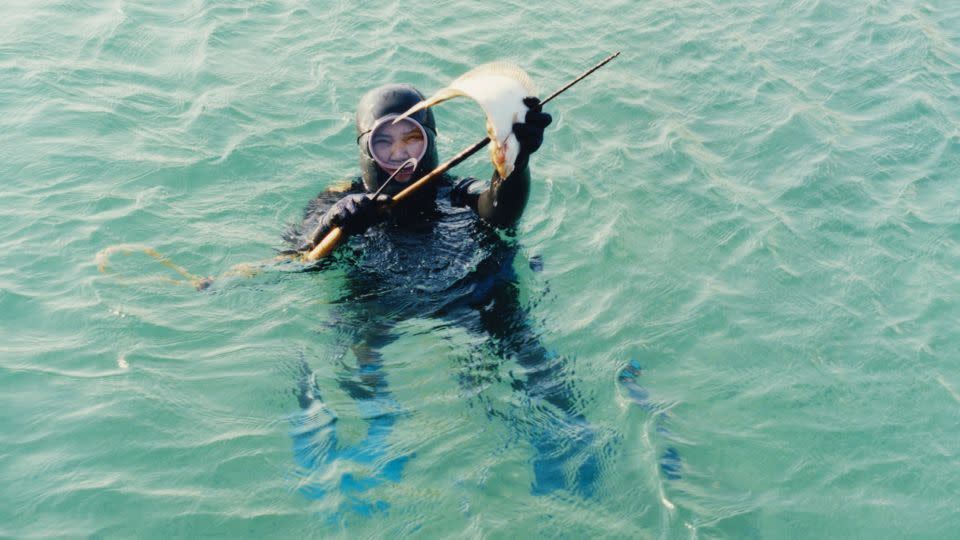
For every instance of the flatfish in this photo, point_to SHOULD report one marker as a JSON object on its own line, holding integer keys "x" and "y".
{"x": 499, "y": 88}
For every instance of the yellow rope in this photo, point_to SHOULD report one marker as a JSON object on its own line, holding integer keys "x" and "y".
{"x": 191, "y": 280}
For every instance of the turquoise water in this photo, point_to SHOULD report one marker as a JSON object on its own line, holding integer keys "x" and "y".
{"x": 757, "y": 202}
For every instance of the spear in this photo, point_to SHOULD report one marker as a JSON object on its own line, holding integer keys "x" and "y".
{"x": 336, "y": 235}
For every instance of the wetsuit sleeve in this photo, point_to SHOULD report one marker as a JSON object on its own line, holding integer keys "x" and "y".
{"x": 502, "y": 201}
{"x": 499, "y": 202}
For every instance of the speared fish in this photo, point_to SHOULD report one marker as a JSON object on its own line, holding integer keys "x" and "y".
{"x": 499, "y": 88}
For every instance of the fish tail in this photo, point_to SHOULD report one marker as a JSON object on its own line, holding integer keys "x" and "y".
{"x": 439, "y": 97}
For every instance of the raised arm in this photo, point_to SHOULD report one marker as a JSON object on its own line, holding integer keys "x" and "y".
{"x": 501, "y": 201}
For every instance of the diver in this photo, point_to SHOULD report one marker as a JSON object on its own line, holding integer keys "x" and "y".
{"x": 447, "y": 252}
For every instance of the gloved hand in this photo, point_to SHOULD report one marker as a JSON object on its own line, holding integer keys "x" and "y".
{"x": 353, "y": 213}
{"x": 530, "y": 133}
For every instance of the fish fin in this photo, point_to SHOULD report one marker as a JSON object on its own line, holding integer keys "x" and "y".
{"x": 500, "y": 69}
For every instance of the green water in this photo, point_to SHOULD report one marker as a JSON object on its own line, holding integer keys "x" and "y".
{"x": 757, "y": 201}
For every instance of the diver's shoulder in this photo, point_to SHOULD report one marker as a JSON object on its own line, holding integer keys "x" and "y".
{"x": 342, "y": 187}
{"x": 333, "y": 193}
{"x": 345, "y": 186}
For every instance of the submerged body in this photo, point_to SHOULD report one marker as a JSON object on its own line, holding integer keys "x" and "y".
{"x": 446, "y": 253}
{"x": 415, "y": 262}
{"x": 446, "y": 264}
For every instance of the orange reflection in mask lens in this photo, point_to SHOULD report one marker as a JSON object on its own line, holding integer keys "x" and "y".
{"x": 392, "y": 144}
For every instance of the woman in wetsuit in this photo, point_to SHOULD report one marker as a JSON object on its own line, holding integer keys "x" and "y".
{"x": 436, "y": 255}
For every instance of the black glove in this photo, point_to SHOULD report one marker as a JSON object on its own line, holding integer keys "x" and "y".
{"x": 530, "y": 133}
{"x": 353, "y": 213}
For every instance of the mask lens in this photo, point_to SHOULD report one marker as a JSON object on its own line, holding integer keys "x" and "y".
{"x": 392, "y": 144}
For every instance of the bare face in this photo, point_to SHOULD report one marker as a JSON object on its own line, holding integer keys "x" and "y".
{"x": 392, "y": 144}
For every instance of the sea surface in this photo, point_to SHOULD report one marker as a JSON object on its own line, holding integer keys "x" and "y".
{"x": 742, "y": 248}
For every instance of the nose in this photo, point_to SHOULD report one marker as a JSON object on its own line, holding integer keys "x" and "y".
{"x": 399, "y": 152}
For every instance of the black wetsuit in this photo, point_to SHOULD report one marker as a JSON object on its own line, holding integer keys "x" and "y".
{"x": 447, "y": 252}
{"x": 441, "y": 261}
{"x": 444, "y": 262}
{"x": 416, "y": 263}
